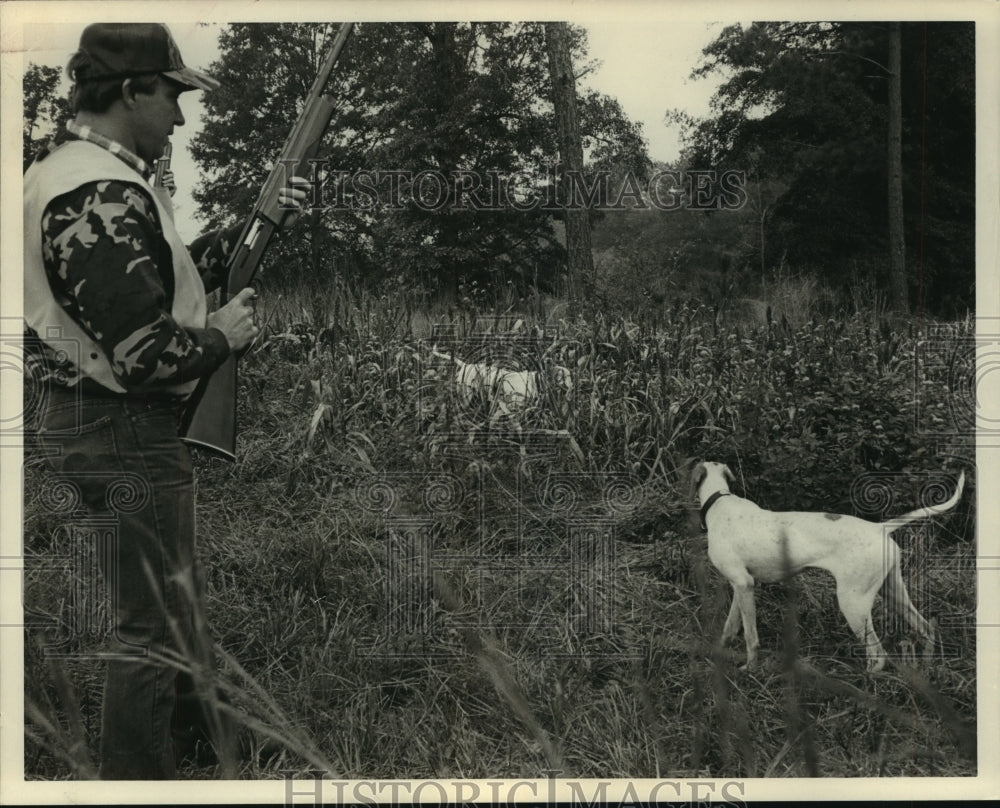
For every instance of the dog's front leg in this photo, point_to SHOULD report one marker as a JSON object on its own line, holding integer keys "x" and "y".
{"x": 744, "y": 594}
{"x": 732, "y": 625}
{"x": 743, "y": 606}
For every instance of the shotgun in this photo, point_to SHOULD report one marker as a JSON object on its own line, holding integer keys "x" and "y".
{"x": 209, "y": 419}
{"x": 162, "y": 165}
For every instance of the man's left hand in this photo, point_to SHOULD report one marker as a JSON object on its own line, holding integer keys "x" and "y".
{"x": 169, "y": 182}
{"x": 292, "y": 198}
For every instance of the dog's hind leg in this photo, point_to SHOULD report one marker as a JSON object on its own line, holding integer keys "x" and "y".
{"x": 857, "y": 608}
{"x": 900, "y": 599}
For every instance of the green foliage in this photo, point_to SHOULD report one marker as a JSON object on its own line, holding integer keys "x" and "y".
{"x": 648, "y": 260}
{"x": 802, "y": 409}
{"x": 412, "y": 97}
{"x": 44, "y": 111}
{"x": 831, "y": 400}
{"x": 804, "y": 104}
{"x": 798, "y": 412}
{"x": 343, "y": 386}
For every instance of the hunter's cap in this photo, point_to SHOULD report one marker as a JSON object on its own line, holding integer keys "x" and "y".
{"x": 119, "y": 50}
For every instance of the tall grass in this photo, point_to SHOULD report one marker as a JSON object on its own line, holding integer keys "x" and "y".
{"x": 351, "y": 433}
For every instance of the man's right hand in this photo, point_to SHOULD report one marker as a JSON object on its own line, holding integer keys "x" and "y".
{"x": 235, "y": 320}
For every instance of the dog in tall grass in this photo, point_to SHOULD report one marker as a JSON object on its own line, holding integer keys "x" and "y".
{"x": 508, "y": 390}
{"x": 748, "y": 544}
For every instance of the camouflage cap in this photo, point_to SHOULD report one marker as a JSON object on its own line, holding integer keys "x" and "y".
{"x": 119, "y": 50}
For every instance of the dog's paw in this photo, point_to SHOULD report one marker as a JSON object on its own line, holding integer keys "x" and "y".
{"x": 875, "y": 664}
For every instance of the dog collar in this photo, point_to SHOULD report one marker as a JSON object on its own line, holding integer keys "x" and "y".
{"x": 709, "y": 503}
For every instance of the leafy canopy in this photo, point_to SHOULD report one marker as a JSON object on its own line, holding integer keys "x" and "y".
{"x": 412, "y": 97}
{"x": 804, "y": 106}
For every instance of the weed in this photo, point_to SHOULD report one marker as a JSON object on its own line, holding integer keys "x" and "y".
{"x": 526, "y": 653}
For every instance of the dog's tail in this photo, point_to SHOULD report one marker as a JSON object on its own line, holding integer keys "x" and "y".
{"x": 923, "y": 513}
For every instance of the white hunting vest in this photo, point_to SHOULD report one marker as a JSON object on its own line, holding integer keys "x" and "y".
{"x": 68, "y": 167}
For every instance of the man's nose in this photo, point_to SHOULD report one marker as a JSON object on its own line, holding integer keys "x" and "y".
{"x": 178, "y": 117}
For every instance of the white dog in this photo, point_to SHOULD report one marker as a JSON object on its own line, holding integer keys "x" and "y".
{"x": 748, "y": 544}
{"x": 508, "y": 390}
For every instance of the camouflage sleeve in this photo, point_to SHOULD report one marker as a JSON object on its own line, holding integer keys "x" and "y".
{"x": 210, "y": 251}
{"x": 111, "y": 269}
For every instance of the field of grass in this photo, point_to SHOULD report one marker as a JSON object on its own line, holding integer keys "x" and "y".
{"x": 403, "y": 584}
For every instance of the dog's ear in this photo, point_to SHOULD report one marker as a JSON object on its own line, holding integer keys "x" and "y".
{"x": 728, "y": 474}
{"x": 697, "y": 475}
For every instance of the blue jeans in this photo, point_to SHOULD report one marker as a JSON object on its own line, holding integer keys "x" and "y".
{"x": 120, "y": 460}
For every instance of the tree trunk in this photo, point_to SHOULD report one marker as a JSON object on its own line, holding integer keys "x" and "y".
{"x": 579, "y": 259}
{"x": 899, "y": 298}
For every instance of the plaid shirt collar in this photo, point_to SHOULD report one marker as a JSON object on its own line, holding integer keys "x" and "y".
{"x": 131, "y": 159}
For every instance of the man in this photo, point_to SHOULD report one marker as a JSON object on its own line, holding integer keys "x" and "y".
{"x": 106, "y": 272}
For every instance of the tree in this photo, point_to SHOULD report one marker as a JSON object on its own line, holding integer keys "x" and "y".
{"x": 468, "y": 103}
{"x": 810, "y": 102}
{"x": 898, "y": 297}
{"x": 580, "y": 259}
{"x": 44, "y": 110}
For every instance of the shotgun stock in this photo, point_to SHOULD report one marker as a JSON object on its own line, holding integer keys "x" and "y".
{"x": 210, "y": 414}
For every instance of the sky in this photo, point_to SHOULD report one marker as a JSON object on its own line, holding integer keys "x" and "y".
{"x": 645, "y": 66}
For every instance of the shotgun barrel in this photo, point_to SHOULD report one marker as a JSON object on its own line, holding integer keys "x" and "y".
{"x": 209, "y": 419}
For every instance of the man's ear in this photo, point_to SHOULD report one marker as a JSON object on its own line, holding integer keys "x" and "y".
{"x": 130, "y": 88}
{"x": 128, "y": 93}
